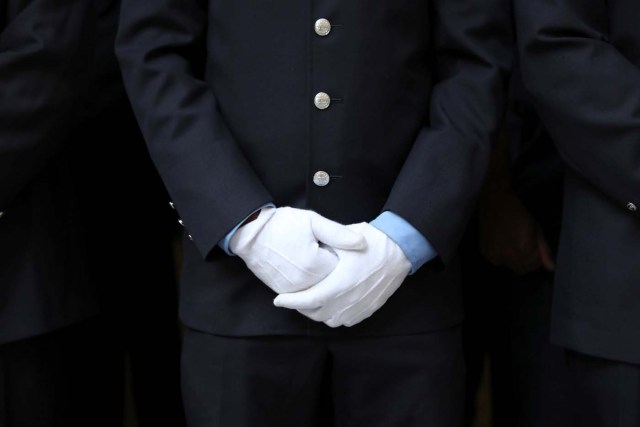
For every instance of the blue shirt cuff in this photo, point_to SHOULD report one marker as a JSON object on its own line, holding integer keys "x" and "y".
{"x": 415, "y": 246}
{"x": 224, "y": 243}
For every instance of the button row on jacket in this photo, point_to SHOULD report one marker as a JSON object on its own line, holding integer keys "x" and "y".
{"x": 322, "y": 27}
{"x": 322, "y": 100}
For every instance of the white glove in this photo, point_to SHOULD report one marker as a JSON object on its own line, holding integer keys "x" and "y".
{"x": 281, "y": 247}
{"x": 360, "y": 284}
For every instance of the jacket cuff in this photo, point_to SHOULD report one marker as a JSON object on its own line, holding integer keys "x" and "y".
{"x": 224, "y": 243}
{"x": 415, "y": 246}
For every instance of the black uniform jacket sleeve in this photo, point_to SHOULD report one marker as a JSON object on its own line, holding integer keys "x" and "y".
{"x": 44, "y": 54}
{"x": 439, "y": 182}
{"x": 207, "y": 176}
{"x": 586, "y": 91}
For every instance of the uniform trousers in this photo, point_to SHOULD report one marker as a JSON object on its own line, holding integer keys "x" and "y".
{"x": 508, "y": 322}
{"x": 604, "y": 393}
{"x": 60, "y": 379}
{"x": 406, "y": 380}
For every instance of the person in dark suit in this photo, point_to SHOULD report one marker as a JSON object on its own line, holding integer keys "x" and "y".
{"x": 115, "y": 170}
{"x": 581, "y": 65}
{"x": 511, "y": 249}
{"x": 71, "y": 297}
{"x": 380, "y": 114}
{"x": 48, "y": 339}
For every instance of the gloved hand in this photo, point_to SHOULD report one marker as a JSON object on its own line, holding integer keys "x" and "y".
{"x": 281, "y": 247}
{"x": 360, "y": 284}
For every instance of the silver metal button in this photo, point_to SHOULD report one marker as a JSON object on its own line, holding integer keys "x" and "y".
{"x": 181, "y": 222}
{"x": 172, "y": 206}
{"x": 321, "y": 178}
{"x": 1, "y": 214}
{"x": 322, "y": 27}
{"x": 322, "y": 101}
{"x": 190, "y": 237}
{"x": 632, "y": 207}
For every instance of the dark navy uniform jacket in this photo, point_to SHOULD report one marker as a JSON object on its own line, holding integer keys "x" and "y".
{"x": 230, "y": 96}
{"x": 581, "y": 64}
{"x": 69, "y": 147}
{"x": 45, "y": 61}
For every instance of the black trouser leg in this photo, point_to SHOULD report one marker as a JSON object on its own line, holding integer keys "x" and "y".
{"x": 408, "y": 380}
{"x": 604, "y": 393}
{"x": 251, "y": 382}
{"x": 61, "y": 378}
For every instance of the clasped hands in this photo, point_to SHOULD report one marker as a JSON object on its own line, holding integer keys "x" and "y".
{"x": 331, "y": 273}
